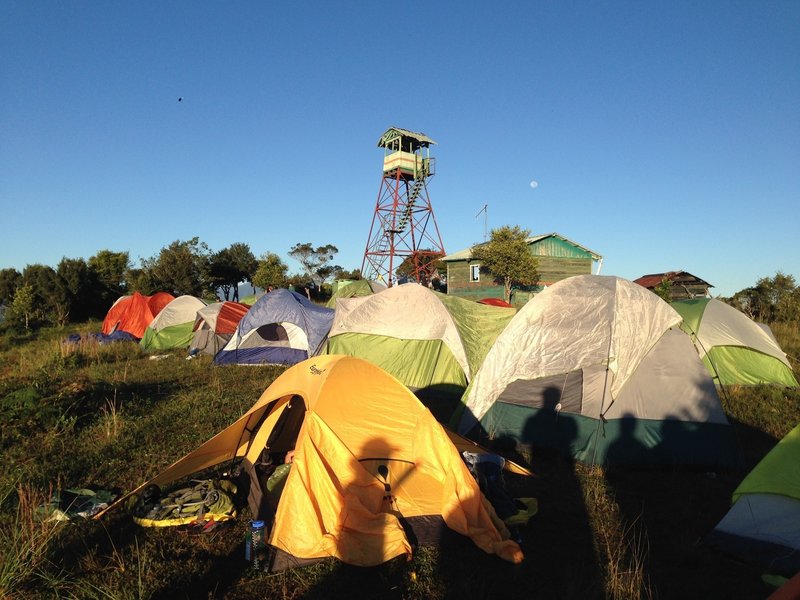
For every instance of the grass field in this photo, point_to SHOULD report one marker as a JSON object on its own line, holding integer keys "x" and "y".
{"x": 112, "y": 416}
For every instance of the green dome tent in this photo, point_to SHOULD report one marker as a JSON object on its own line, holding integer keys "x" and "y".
{"x": 734, "y": 348}
{"x": 351, "y": 289}
{"x": 596, "y": 368}
{"x": 763, "y": 523}
{"x": 431, "y": 342}
{"x": 172, "y": 327}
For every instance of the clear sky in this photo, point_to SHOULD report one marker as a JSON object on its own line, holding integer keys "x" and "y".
{"x": 663, "y": 135}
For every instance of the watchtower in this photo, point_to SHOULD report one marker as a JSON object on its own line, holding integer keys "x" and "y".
{"x": 404, "y": 230}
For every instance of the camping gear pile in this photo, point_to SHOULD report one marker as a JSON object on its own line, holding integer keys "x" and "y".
{"x": 203, "y": 500}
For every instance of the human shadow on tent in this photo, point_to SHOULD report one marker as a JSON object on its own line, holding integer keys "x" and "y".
{"x": 564, "y": 549}
{"x": 389, "y": 580}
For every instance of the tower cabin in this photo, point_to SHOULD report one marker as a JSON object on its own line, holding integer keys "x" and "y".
{"x": 407, "y": 154}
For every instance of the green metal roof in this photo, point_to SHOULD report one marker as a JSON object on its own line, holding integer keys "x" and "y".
{"x": 394, "y": 132}
{"x": 466, "y": 254}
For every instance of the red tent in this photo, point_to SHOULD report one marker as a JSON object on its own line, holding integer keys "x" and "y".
{"x": 158, "y": 301}
{"x": 214, "y": 326}
{"x": 135, "y": 312}
{"x": 229, "y": 316}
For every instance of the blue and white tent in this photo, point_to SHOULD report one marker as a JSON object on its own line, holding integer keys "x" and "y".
{"x": 281, "y": 328}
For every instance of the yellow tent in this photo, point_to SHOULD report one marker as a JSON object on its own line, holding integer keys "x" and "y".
{"x": 369, "y": 460}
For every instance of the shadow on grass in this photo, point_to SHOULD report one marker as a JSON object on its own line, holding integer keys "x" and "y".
{"x": 669, "y": 509}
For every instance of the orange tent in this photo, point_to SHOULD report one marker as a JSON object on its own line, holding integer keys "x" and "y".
{"x": 370, "y": 461}
{"x": 135, "y": 312}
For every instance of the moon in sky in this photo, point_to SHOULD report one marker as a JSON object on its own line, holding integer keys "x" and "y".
{"x": 534, "y": 183}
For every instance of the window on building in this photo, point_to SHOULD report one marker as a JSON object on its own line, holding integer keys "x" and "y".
{"x": 474, "y": 272}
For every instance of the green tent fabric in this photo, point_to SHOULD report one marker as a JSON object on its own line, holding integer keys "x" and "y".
{"x": 353, "y": 289}
{"x": 431, "y": 342}
{"x": 763, "y": 523}
{"x": 417, "y": 363}
{"x": 172, "y": 328}
{"x": 734, "y": 348}
{"x": 778, "y": 472}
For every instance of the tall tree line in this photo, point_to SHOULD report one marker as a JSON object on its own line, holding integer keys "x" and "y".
{"x": 77, "y": 290}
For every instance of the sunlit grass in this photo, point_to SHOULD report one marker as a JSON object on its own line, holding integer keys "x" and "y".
{"x": 107, "y": 414}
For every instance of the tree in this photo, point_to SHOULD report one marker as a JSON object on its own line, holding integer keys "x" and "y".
{"x": 355, "y": 274}
{"x": 110, "y": 271}
{"x": 270, "y": 272}
{"x": 142, "y": 280}
{"x": 181, "y": 268}
{"x": 83, "y": 291}
{"x": 21, "y": 310}
{"x": 230, "y": 266}
{"x": 771, "y": 299}
{"x": 300, "y": 283}
{"x": 315, "y": 261}
{"x": 50, "y": 298}
{"x": 664, "y": 290}
{"x": 223, "y": 273}
{"x": 507, "y": 258}
{"x": 243, "y": 259}
{"x": 424, "y": 264}
{"x": 9, "y": 280}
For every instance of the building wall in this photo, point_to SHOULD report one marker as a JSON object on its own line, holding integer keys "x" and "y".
{"x": 553, "y": 269}
{"x": 458, "y": 283}
{"x": 557, "y": 260}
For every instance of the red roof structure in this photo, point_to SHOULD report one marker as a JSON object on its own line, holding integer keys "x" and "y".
{"x": 683, "y": 285}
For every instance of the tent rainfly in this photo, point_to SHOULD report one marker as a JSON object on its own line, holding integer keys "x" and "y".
{"x": 134, "y": 313}
{"x": 214, "y": 326}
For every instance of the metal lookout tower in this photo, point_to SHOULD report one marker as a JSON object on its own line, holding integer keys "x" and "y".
{"x": 403, "y": 228}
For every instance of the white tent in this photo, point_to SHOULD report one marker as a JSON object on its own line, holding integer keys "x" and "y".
{"x": 596, "y": 366}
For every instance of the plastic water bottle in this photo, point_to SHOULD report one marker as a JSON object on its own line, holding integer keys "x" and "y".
{"x": 256, "y": 542}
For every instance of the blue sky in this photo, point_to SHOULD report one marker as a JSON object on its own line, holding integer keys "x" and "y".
{"x": 663, "y": 135}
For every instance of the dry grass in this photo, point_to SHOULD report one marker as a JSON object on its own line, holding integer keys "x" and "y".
{"x": 25, "y": 541}
{"x": 622, "y": 547}
{"x": 105, "y": 414}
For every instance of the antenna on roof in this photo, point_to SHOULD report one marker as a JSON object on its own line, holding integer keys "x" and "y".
{"x": 485, "y": 211}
